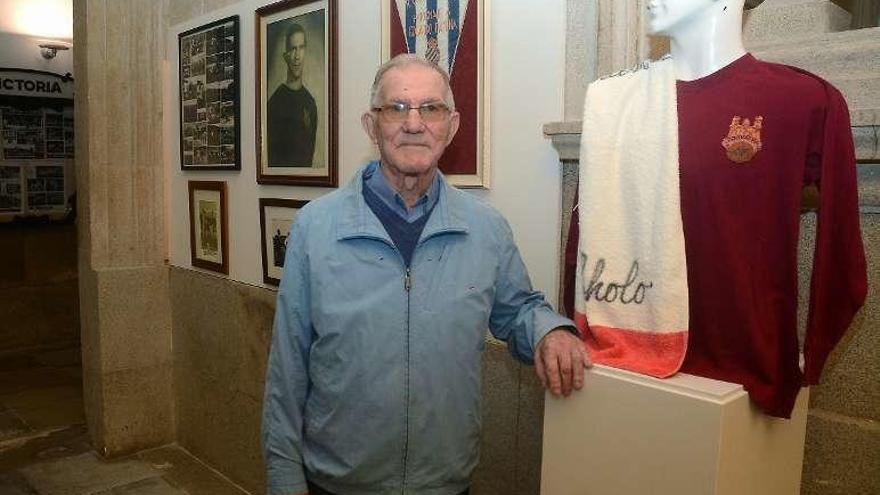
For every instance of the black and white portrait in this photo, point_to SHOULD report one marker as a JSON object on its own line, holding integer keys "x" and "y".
{"x": 276, "y": 217}
{"x": 294, "y": 122}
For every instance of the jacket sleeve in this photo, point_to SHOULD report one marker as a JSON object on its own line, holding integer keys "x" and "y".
{"x": 520, "y": 316}
{"x": 839, "y": 284}
{"x": 287, "y": 381}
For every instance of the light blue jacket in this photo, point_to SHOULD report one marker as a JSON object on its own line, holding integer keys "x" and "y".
{"x": 373, "y": 383}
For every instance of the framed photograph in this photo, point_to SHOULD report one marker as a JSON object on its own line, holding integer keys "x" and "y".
{"x": 276, "y": 217}
{"x": 208, "y": 234}
{"x": 11, "y": 189}
{"x": 296, "y": 65}
{"x": 210, "y": 131}
{"x": 455, "y": 34}
{"x": 45, "y": 187}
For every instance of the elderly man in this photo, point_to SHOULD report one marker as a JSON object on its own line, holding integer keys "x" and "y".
{"x": 373, "y": 384}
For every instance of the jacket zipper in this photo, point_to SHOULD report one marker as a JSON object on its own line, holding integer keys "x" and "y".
{"x": 407, "y": 285}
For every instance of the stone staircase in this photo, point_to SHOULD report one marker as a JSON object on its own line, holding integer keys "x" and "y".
{"x": 813, "y": 35}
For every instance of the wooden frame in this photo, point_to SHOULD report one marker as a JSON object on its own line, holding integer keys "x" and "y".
{"x": 296, "y": 144}
{"x": 208, "y": 226}
{"x": 277, "y": 214}
{"x": 209, "y": 101}
{"x": 459, "y": 42}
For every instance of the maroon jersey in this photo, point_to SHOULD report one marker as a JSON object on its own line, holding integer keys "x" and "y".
{"x": 750, "y": 137}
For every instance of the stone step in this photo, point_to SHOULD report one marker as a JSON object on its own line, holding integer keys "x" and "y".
{"x": 790, "y": 19}
{"x": 830, "y": 55}
{"x": 862, "y": 91}
{"x": 867, "y": 143}
{"x": 852, "y": 35}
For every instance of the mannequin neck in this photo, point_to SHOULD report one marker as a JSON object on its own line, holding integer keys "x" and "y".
{"x": 705, "y": 44}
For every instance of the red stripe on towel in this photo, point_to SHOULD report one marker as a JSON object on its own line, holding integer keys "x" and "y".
{"x": 650, "y": 353}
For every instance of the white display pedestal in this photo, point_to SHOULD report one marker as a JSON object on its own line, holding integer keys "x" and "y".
{"x": 630, "y": 434}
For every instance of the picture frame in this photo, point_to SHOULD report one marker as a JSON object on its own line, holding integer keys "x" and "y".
{"x": 208, "y": 226}
{"x": 296, "y": 92}
{"x": 12, "y": 192}
{"x": 456, "y": 36}
{"x": 276, "y": 217}
{"x": 209, "y": 102}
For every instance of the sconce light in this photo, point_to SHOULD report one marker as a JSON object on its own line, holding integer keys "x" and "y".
{"x": 50, "y": 48}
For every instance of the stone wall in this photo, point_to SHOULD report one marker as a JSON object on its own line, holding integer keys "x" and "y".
{"x": 843, "y": 440}
{"x": 222, "y": 332}
{"x": 39, "y": 301}
{"x": 842, "y": 453}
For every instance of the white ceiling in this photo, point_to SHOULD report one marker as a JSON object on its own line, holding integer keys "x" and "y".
{"x": 51, "y": 19}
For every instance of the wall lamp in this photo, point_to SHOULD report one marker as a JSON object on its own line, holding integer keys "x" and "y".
{"x": 50, "y": 48}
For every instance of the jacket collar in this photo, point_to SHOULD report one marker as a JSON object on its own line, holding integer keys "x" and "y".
{"x": 357, "y": 220}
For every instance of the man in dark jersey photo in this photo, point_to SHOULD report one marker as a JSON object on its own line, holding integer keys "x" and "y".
{"x": 292, "y": 114}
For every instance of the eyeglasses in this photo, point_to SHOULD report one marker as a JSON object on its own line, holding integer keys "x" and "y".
{"x": 399, "y": 111}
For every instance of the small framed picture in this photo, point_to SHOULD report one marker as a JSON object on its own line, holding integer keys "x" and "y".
{"x": 296, "y": 107}
{"x": 11, "y": 181}
{"x": 208, "y": 234}
{"x": 276, "y": 217}
{"x": 210, "y": 131}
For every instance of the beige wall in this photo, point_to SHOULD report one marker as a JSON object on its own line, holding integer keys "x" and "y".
{"x": 221, "y": 325}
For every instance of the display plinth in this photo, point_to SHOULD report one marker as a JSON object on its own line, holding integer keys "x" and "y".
{"x": 630, "y": 434}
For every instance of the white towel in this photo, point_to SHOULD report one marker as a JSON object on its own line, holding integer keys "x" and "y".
{"x": 631, "y": 295}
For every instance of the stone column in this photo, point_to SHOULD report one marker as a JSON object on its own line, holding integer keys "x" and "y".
{"x": 125, "y": 316}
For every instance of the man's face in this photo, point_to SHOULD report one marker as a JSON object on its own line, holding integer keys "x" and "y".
{"x": 295, "y": 52}
{"x": 665, "y": 16}
{"x": 412, "y": 146}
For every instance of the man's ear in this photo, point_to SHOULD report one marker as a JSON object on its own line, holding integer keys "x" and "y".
{"x": 368, "y": 122}
{"x": 454, "y": 120}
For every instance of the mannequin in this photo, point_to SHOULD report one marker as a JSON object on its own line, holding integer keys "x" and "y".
{"x": 713, "y": 147}
{"x": 705, "y": 35}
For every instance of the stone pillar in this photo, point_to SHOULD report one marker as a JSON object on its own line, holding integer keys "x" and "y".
{"x": 125, "y": 315}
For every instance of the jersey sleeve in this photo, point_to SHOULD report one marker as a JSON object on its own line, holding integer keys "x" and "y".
{"x": 839, "y": 283}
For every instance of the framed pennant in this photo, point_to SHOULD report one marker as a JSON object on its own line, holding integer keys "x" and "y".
{"x": 455, "y": 35}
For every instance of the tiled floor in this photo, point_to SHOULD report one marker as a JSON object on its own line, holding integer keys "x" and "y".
{"x": 44, "y": 446}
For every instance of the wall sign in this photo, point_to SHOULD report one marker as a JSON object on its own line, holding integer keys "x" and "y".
{"x": 34, "y": 83}
{"x": 36, "y": 143}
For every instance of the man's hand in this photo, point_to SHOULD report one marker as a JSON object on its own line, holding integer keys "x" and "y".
{"x": 560, "y": 360}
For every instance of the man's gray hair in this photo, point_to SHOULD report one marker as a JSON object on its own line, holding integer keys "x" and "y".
{"x": 404, "y": 60}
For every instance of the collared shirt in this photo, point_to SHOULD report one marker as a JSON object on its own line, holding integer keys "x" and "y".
{"x": 378, "y": 183}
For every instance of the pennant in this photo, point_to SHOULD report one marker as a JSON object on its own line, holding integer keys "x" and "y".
{"x": 432, "y": 28}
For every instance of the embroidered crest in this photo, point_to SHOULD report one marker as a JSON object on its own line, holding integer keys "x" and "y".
{"x": 307, "y": 119}
{"x": 743, "y": 141}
